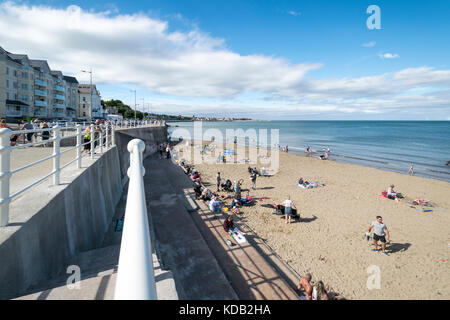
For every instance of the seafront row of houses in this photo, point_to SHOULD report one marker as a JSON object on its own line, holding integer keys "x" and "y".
{"x": 31, "y": 89}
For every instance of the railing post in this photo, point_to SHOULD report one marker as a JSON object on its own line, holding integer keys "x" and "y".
{"x": 92, "y": 141}
{"x": 113, "y": 136}
{"x": 79, "y": 143}
{"x": 57, "y": 154}
{"x": 107, "y": 135}
{"x": 135, "y": 276}
{"x": 101, "y": 139}
{"x": 5, "y": 175}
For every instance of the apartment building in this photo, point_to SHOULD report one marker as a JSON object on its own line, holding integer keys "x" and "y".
{"x": 72, "y": 97}
{"x": 29, "y": 88}
{"x": 16, "y": 86}
{"x": 85, "y": 110}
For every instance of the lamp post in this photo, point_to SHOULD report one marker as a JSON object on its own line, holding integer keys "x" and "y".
{"x": 134, "y": 104}
{"x": 90, "y": 87}
{"x": 143, "y": 108}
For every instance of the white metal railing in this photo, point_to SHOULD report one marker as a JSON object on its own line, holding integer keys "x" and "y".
{"x": 100, "y": 141}
{"x": 135, "y": 275}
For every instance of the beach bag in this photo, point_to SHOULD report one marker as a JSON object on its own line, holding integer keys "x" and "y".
{"x": 384, "y": 194}
{"x": 400, "y": 196}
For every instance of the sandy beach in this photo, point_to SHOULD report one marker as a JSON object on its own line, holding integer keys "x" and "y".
{"x": 329, "y": 241}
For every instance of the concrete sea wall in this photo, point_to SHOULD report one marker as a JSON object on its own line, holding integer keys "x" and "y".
{"x": 73, "y": 219}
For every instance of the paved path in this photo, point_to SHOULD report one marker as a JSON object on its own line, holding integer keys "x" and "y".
{"x": 249, "y": 272}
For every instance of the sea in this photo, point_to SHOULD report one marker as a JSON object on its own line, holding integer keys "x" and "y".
{"x": 386, "y": 145}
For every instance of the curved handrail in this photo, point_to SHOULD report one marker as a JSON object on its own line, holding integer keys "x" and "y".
{"x": 135, "y": 278}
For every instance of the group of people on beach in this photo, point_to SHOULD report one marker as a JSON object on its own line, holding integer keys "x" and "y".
{"x": 324, "y": 156}
{"x": 316, "y": 291}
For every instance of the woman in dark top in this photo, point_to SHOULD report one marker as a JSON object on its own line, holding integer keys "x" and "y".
{"x": 228, "y": 224}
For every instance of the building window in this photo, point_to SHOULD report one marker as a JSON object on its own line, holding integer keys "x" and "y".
{"x": 84, "y": 106}
{"x": 7, "y": 95}
{"x": 24, "y": 86}
{"x": 15, "y": 73}
{"x": 7, "y": 83}
{"x": 24, "y": 98}
{"x": 24, "y": 75}
{"x": 7, "y": 70}
{"x": 84, "y": 114}
{"x": 84, "y": 99}
{"x": 15, "y": 84}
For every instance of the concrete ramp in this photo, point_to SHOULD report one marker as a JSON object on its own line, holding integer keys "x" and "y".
{"x": 98, "y": 279}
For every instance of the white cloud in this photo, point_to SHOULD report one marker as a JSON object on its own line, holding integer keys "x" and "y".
{"x": 294, "y": 13}
{"x": 369, "y": 44}
{"x": 389, "y": 56}
{"x": 138, "y": 49}
{"x": 141, "y": 51}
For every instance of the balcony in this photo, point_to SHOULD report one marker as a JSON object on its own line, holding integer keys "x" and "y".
{"x": 40, "y": 93}
{"x": 59, "y": 97}
{"x": 40, "y": 82}
{"x": 59, "y": 88}
{"x": 13, "y": 112}
{"x": 40, "y": 103}
{"x": 40, "y": 112}
{"x": 59, "y": 105}
{"x": 59, "y": 114}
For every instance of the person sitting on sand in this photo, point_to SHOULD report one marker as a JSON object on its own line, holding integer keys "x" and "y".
{"x": 288, "y": 205}
{"x": 228, "y": 224}
{"x": 206, "y": 195}
{"x": 300, "y": 182}
{"x": 325, "y": 156}
{"x": 319, "y": 292}
{"x": 305, "y": 283}
{"x": 392, "y": 194}
{"x": 380, "y": 233}
{"x": 215, "y": 205}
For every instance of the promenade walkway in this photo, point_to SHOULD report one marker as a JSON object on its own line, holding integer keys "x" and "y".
{"x": 250, "y": 274}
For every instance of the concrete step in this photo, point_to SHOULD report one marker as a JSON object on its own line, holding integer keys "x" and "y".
{"x": 179, "y": 245}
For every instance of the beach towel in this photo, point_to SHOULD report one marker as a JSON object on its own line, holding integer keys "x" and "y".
{"x": 383, "y": 195}
{"x": 238, "y": 236}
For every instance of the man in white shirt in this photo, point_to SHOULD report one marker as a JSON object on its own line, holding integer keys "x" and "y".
{"x": 380, "y": 233}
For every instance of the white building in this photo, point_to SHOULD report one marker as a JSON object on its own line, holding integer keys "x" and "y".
{"x": 85, "y": 110}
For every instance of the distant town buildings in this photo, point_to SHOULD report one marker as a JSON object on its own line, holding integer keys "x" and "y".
{"x": 30, "y": 89}
{"x": 88, "y": 94}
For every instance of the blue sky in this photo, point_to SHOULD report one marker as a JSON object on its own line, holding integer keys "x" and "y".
{"x": 325, "y": 62}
